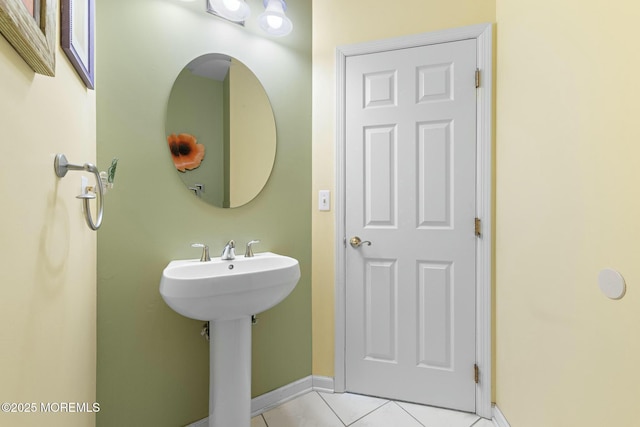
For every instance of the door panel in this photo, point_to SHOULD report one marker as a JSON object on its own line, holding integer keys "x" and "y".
{"x": 380, "y": 176}
{"x": 410, "y": 190}
{"x": 434, "y": 174}
{"x": 381, "y": 311}
{"x": 435, "y": 315}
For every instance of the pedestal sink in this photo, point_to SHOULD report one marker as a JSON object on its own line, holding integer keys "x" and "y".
{"x": 227, "y": 294}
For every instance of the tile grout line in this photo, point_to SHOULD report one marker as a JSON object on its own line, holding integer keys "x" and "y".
{"x": 387, "y": 402}
{"x": 370, "y": 412}
{"x": 410, "y": 414}
{"x": 479, "y": 420}
{"x": 334, "y": 412}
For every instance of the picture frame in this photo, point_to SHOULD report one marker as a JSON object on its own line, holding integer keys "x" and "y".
{"x": 34, "y": 38}
{"x": 77, "y": 18}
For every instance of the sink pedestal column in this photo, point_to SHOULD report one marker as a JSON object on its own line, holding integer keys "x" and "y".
{"x": 230, "y": 373}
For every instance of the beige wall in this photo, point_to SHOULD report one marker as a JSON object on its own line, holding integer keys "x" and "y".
{"x": 567, "y": 207}
{"x": 253, "y": 131}
{"x": 337, "y": 23}
{"x": 47, "y": 253}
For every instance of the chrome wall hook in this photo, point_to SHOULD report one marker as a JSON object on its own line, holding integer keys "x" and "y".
{"x": 61, "y": 166}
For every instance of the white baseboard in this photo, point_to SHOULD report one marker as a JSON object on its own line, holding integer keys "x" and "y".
{"x": 281, "y": 395}
{"x": 323, "y": 384}
{"x": 202, "y": 423}
{"x": 499, "y": 418}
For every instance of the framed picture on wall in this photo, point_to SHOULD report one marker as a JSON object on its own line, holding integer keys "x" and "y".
{"x": 77, "y": 36}
{"x": 30, "y": 27}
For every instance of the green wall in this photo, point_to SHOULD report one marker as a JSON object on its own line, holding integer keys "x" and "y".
{"x": 153, "y": 363}
{"x": 197, "y": 107}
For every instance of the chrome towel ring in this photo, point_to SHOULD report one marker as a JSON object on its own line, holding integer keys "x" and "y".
{"x": 62, "y": 166}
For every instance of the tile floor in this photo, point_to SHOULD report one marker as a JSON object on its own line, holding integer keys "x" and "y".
{"x": 317, "y": 409}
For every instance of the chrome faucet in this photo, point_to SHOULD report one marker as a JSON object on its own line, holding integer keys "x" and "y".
{"x": 249, "y": 252}
{"x": 205, "y": 251}
{"x": 229, "y": 253}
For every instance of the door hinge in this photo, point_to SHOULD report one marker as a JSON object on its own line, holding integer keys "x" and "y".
{"x": 477, "y": 78}
{"x": 478, "y": 227}
{"x": 476, "y": 373}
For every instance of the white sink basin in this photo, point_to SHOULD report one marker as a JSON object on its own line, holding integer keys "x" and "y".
{"x": 224, "y": 290}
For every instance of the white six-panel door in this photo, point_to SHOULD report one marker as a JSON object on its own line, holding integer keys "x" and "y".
{"x": 410, "y": 154}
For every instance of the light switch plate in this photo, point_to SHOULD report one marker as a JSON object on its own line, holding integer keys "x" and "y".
{"x": 324, "y": 200}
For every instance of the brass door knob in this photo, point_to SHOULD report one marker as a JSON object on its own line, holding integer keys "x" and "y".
{"x": 356, "y": 242}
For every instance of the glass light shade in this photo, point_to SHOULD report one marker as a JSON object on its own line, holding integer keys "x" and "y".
{"x": 233, "y": 10}
{"x": 273, "y": 20}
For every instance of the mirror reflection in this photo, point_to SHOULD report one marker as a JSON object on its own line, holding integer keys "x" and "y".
{"x": 220, "y": 130}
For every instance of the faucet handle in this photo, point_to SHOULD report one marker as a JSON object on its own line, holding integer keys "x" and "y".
{"x": 205, "y": 251}
{"x": 249, "y": 252}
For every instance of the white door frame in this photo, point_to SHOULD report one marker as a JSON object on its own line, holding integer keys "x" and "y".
{"x": 482, "y": 33}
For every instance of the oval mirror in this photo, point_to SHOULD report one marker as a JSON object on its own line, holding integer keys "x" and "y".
{"x": 221, "y": 131}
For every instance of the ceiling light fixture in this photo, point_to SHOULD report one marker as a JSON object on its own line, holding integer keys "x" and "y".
{"x": 233, "y": 10}
{"x": 273, "y": 20}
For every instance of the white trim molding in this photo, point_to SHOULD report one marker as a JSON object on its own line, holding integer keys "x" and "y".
{"x": 281, "y": 395}
{"x": 322, "y": 384}
{"x": 483, "y": 35}
{"x": 202, "y": 423}
{"x": 290, "y": 391}
{"x": 499, "y": 418}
